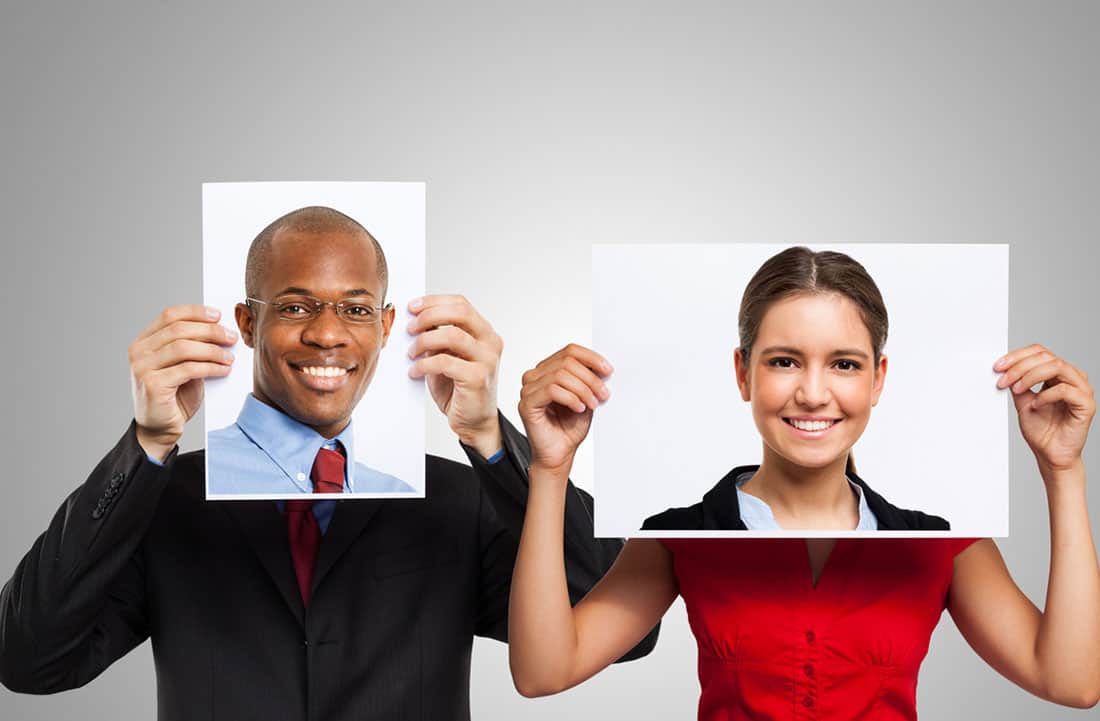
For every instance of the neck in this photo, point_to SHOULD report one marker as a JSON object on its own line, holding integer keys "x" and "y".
{"x": 805, "y": 498}
{"x": 327, "y": 431}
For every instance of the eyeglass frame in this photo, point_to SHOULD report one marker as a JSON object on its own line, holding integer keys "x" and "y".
{"x": 319, "y": 307}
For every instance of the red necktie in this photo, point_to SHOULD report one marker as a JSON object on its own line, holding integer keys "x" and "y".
{"x": 301, "y": 525}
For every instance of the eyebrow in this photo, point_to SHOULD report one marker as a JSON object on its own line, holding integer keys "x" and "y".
{"x": 796, "y": 352}
{"x": 294, "y": 290}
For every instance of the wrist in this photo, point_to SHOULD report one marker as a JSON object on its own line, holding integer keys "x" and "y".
{"x": 486, "y": 439}
{"x": 551, "y": 470}
{"x": 154, "y": 445}
{"x": 1063, "y": 476}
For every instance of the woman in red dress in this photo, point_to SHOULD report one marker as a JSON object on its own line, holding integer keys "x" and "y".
{"x": 811, "y": 628}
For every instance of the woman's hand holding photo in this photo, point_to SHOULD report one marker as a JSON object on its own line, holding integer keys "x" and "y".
{"x": 1055, "y": 420}
{"x": 557, "y": 402}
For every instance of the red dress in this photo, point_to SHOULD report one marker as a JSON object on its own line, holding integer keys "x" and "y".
{"x": 772, "y": 646}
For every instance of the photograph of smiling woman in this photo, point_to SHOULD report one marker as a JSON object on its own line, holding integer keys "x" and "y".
{"x": 313, "y": 410}
{"x": 775, "y": 390}
{"x": 813, "y": 327}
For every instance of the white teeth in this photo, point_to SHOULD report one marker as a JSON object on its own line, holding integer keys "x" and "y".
{"x": 324, "y": 371}
{"x": 811, "y": 425}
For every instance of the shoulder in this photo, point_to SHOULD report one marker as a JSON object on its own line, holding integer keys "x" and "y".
{"x": 227, "y": 436}
{"x": 686, "y": 518}
{"x": 718, "y": 511}
{"x": 910, "y": 520}
{"x": 450, "y": 482}
{"x": 893, "y": 518}
{"x": 369, "y": 480}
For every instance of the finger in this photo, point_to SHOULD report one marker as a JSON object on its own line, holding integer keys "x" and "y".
{"x": 1022, "y": 365}
{"x": 591, "y": 381}
{"x": 419, "y": 305}
{"x": 458, "y": 370}
{"x": 181, "y": 351}
{"x": 565, "y": 378}
{"x": 454, "y": 341}
{"x": 462, "y": 315}
{"x": 589, "y": 358}
{"x": 1076, "y": 398}
{"x": 543, "y": 396}
{"x": 209, "y": 332}
{"x": 174, "y": 313}
{"x": 1049, "y": 372}
{"x": 175, "y": 376}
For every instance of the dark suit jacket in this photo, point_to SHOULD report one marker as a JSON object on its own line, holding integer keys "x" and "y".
{"x": 719, "y": 511}
{"x": 400, "y": 589}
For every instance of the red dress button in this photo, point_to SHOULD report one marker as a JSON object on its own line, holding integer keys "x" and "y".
{"x": 808, "y": 669}
{"x": 808, "y": 702}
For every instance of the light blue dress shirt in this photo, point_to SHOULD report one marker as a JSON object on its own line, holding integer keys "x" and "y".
{"x": 267, "y": 452}
{"x": 758, "y": 516}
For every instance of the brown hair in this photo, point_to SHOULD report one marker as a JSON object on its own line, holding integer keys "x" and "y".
{"x": 799, "y": 270}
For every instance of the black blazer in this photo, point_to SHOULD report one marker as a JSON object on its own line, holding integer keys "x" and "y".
{"x": 719, "y": 511}
{"x": 400, "y": 589}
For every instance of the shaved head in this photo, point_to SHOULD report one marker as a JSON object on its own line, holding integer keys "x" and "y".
{"x": 311, "y": 219}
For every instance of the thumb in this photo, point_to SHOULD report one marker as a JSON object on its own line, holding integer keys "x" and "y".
{"x": 1023, "y": 400}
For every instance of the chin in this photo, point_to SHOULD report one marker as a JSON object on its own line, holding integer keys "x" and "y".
{"x": 809, "y": 460}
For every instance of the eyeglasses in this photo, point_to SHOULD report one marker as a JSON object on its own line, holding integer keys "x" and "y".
{"x": 304, "y": 307}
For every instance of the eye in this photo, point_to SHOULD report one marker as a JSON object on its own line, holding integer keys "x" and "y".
{"x": 359, "y": 311}
{"x": 293, "y": 309}
{"x": 781, "y": 362}
{"x": 847, "y": 365}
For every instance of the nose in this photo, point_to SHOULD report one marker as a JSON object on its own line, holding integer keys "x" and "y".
{"x": 813, "y": 389}
{"x": 326, "y": 330}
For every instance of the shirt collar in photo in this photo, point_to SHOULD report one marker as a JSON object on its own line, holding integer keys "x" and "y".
{"x": 292, "y": 445}
{"x": 757, "y": 515}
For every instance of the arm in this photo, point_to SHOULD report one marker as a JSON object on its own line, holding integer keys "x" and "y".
{"x": 586, "y": 558}
{"x": 77, "y": 600}
{"x": 458, "y": 353}
{"x": 552, "y": 645}
{"x": 1055, "y": 653}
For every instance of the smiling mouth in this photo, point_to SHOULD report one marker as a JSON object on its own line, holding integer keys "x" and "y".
{"x": 812, "y": 426}
{"x": 323, "y": 371}
{"x": 323, "y": 377}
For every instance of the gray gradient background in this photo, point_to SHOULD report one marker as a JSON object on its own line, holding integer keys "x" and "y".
{"x": 539, "y": 131}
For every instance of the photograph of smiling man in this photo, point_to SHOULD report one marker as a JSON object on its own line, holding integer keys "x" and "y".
{"x": 314, "y": 296}
{"x": 850, "y": 389}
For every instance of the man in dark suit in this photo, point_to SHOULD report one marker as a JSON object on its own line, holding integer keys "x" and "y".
{"x": 374, "y": 621}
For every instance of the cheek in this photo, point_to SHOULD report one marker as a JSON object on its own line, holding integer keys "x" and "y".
{"x": 771, "y": 393}
{"x": 854, "y": 395}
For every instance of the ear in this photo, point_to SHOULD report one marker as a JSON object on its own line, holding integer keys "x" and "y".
{"x": 387, "y": 323}
{"x": 245, "y": 322}
{"x": 880, "y": 380}
{"x": 741, "y": 372}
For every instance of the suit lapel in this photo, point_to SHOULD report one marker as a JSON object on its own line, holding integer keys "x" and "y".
{"x": 265, "y": 528}
{"x": 348, "y": 521}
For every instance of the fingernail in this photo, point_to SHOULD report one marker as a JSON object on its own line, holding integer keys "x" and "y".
{"x": 231, "y": 335}
{"x": 228, "y": 356}
{"x": 411, "y": 327}
{"x": 1000, "y": 363}
{"x": 1001, "y": 380}
{"x": 213, "y": 313}
{"x": 416, "y": 303}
